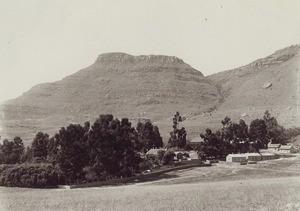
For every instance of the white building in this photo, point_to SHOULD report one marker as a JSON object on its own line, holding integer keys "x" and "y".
{"x": 267, "y": 156}
{"x": 253, "y": 156}
{"x": 236, "y": 158}
{"x": 274, "y": 147}
{"x": 287, "y": 149}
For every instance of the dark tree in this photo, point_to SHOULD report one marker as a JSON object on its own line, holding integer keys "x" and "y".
{"x": 148, "y": 136}
{"x": 11, "y": 151}
{"x": 39, "y": 145}
{"x": 72, "y": 153}
{"x": 236, "y": 135}
{"x": 258, "y": 133}
{"x": 17, "y": 150}
{"x": 112, "y": 146}
{"x": 275, "y": 132}
{"x": 212, "y": 147}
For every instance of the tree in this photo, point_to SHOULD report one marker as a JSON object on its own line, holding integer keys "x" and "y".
{"x": 52, "y": 149}
{"x": 213, "y": 145}
{"x": 113, "y": 147}
{"x": 275, "y": 132}
{"x": 148, "y": 136}
{"x": 17, "y": 150}
{"x": 177, "y": 136}
{"x": 6, "y": 150}
{"x": 11, "y": 151}
{"x": 236, "y": 135}
{"x": 258, "y": 133}
{"x": 72, "y": 153}
{"x": 39, "y": 145}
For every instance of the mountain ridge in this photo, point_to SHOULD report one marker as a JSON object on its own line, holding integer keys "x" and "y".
{"x": 155, "y": 87}
{"x": 152, "y": 87}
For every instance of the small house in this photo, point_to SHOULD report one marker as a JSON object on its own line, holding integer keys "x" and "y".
{"x": 253, "y": 156}
{"x": 236, "y": 158}
{"x": 274, "y": 147}
{"x": 287, "y": 149}
{"x": 267, "y": 156}
{"x": 196, "y": 142}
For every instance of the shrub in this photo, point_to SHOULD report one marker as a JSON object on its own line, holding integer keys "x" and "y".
{"x": 31, "y": 175}
{"x": 93, "y": 174}
{"x": 145, "y": 165}
{"x": 168, "y": 157}
{"x": 179, "y": 155}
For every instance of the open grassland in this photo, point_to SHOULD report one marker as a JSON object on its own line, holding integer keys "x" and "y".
{"x": 259, "y": 194}
{"x": 270, "y": 185}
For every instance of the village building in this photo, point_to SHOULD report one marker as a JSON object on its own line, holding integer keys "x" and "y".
{"x": 274, "y": 147}
{"x": 287, "y": 149}
{"x": 267, "y": 156}
{"x": 196, "y": 142}
{"x": 253, "y": 156}
{"x": 236, "y": 158}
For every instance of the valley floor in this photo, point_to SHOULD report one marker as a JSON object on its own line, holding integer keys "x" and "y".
{"x": 268, "y": 185}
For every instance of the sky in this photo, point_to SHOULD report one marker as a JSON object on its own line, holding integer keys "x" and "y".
{"x": 45, "y": 41}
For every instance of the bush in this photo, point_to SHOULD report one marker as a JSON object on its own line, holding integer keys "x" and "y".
{"x": 145, "y": 165}
{"x": 188, "y": 147}
{"x": 168, "y": 157}
{"x": 31, "y": 175}
{"x": 93, "y": 174}
{"x": 179, "y": 155}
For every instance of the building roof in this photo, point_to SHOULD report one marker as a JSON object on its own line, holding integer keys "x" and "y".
{"x": 267, "y": 154}
{"x": 273, "y": 145}
{"x": 253, "y": 154}
{"x": 154, "y": 151}
{"x": 197, "y": 140}
{"x": 236, "y": 155}
{"x": 285, "y": 147}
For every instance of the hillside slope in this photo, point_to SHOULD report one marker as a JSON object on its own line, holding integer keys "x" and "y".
{"x": 153, "y": 87}
{"x": 271, "y": 83}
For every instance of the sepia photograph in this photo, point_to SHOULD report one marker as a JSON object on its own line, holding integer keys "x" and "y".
{"x": 150, "y": 105}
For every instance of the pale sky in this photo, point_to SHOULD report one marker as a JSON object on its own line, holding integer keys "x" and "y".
{"x": 46, "y": 40}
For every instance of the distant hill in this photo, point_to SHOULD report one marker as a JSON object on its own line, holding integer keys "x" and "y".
{"x": 271, "y": 83}
{"x": 152, "y": 87}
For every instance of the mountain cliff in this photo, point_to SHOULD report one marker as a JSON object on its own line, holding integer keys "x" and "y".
{"x": 152, "y": 87}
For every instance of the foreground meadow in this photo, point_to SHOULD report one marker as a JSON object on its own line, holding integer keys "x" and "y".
{"x": 271, "y": 185}
{"x": 259, "y": 194}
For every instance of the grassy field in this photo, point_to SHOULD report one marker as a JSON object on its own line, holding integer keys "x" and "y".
{"x": 271, "y": 185}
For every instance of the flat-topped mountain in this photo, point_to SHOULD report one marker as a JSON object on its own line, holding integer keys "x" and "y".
{"x": 153, "y": 87}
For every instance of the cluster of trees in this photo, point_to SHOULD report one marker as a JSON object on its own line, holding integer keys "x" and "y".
{"x": 11, "y": 152}
{"x": 31, "y": 175}
{"x": 239, "y": 138}
{"x": 108, "y": 149}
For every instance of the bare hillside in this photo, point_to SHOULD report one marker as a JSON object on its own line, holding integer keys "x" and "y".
{"x": 271, "y": 83}
{"x": 153, "y": 87}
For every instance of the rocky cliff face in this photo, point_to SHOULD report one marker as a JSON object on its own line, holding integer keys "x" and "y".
{"x": 153, "y": 87}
